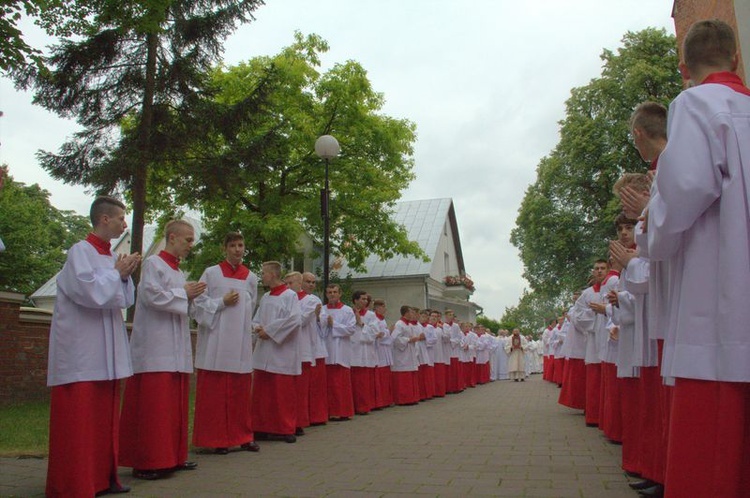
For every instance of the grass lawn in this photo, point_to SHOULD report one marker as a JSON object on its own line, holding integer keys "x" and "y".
{"x": 24, "y": 428}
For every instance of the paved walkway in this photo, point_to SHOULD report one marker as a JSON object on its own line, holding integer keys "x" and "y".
{"x": 500, "y": 439}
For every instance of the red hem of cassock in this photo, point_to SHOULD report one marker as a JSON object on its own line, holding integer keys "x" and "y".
{"x": 665, "y": 400}
{"x": 573, "y": 392}
{"x": 223, "y": 409}
{"x": 318, "y": 393}
{"x": 405, "y": 392}
{"x": 340, "y": 398}
{"x": 472, "y": 379}
{"x": 485, "y": 370}
{"x": 548, "y": 366}
{"x": 440, "y": 379}
{"x": 649, "y": 434}
{"x": 302, "y": 389}
{"x": 383, "y": 387}
{"x": 363, "y": 389}
{"x": 83, "y": 428}
{"x": 426, "y": 382}
{"x": 593, "y": 388}
{"x": 454, "y": 376}
{"x": 154, "y": 423}
{"x": 630, "y": 401}
{"x": 611, "y": 422}
{"x": 709, "y": 437}
{"x": 559, "y": 369}
{"x": 274, "y": 403}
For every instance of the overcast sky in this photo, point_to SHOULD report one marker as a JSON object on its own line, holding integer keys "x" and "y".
{"x": 485, "y": 81}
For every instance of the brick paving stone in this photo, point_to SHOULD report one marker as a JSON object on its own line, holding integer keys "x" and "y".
{"x": 503, "y": 439}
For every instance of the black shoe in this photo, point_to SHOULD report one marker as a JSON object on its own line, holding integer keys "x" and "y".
{"x": 655, "y": 491}
{"x": 186, "y": 466}
{"x": 251, "y": 446}
{"x": 646, "y": 483}
{"x": 299, "y": 431}
{"x": 290, "y": 438}
{"x": 632, "y": 474}
{"x": 523, "y": 380}
{"x": 148, "y": 474}
{"x": 262, "y": 436}
{"x": 221, "y": 451}
{"x": 114, "y": 489}
{"x": 515, "y": 380}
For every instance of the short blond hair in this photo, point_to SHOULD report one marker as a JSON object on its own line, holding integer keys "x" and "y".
{"x": 638, "y": 181}
{"x": 273, "y": 266}
{"x": 709, "y": 43}
{"x": 176, "y": 226}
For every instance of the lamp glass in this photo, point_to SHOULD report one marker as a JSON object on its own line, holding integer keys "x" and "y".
{"x": 327, "y": 147}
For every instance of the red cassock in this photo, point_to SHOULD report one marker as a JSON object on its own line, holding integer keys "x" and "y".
{"x": 573, "y": 392}
{"x": 611, "y": 416}
{"x": 405, "y": 388}
{"x": 440, "y": 377}
{"x": 318, "y": 393}
{"x": 154, "y": 423}
{"x": 363, "y": 389}
{"x": 709, "y": 439}
{"x": 223, "y": 416}
{"x": 383, "y": 387}
{"x": 630, "y": 402}
{"x": 454, "y": 376}
{"x": 340, "y": 397}
{"x": 302, "y": 388}
{"x": 274, "y": 403}
{"x": 83, "y": 428}
{"x": 593, "y": 386}
{"x": 649, "y": 416}
{"x": 559, "y": 370}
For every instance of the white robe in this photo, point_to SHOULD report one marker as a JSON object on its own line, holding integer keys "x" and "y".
{"x": 160, "y": 341}
{"x": 88, "y": 340}
{"x": 309, "y": 330}
{"x": 404, "y": 352}
{"x": 280, "y": 317}
{"x": 364, "y": 350}
{"x": 338, "y": 336}
{"x": 699, "y": 222}
{"x": 384, "y": 343}
{"x": 501, "y": 358}
{"x": 225, "y": 342}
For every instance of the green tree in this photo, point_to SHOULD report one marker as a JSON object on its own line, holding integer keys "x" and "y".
{"x": 36, "y": 236}
{"x": 131, "y": 70}
{"x": 255, "y": 169}
{"x": 567, "y": 214}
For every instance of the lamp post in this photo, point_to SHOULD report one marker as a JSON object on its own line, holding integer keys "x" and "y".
{"x": 326, "y": 147}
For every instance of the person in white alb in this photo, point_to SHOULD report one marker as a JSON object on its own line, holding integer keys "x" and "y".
{"x": 88, "y": 354}
{"x": 276, "y": 358}
{"x": 224, "y": 352}
{"x": 337, "y": 326}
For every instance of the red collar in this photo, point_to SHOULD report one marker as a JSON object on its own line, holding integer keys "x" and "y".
{"x": 336, "y": 306}
{"x": 380, "y": 317}
{"x": 597, "y": 287}
{"x": 362, "y": 312}
{"x": 405, "y": 320}
{"x": 654, "y": 164}
{"x": 171, "y": 260}
{"x": 729, "y": 79}
{"x": 240, "y": 272}
{"x": 102, "y": 246}
{"x": 612, "y": 273}
{"x": 278, "y": 290}
{"x": 413, "y": 322}
{"x": 301, "y": 295}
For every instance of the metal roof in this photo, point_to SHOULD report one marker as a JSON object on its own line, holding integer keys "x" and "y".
{"x": 424, "y": 222}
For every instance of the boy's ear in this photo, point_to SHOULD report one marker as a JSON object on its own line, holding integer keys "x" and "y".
{"x": 684, "y": 71}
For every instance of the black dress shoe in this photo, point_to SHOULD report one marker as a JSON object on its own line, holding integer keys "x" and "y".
{"x": 632, "y": 474}
{"x": 114, "y": 489}
{"x": 251, "y": 446}
{"x": 654, "y": 491}
{"x": 262, "y": 436}
{"x": 299, "y": 431}
{"x": 221, "y": 451}
{"x": 646, "y": 483}
{"x": 186, "y": 466}
{"x": 148, "y": 474}
{"x": 290, "y": 438}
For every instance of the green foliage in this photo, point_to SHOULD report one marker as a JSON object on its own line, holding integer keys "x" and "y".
{"x": 492, "y": 325}
{"x": 566, "y": 216}
{"x": 254, "y": 169}
{"x": 36, "y": 236}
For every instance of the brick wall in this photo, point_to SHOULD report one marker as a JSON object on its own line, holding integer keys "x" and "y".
{"x": 23, "y": 352}
{"x": 24, "y": 342}
{"x": 686, "y": 12}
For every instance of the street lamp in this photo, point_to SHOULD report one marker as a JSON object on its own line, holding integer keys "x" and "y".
{"x": 326, "y": 147}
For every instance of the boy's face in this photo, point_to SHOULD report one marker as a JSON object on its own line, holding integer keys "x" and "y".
{"x": 361, "y": 302}
{"x": 600, "y": 271}
{"x": 235, "y": 250}
{"x": 294, "y": 282}
{"x": 334, "y": 295}
{"x": 181, "y": 241}
{"x": 423, "y": 317}
{"x": 625, "y": 235}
